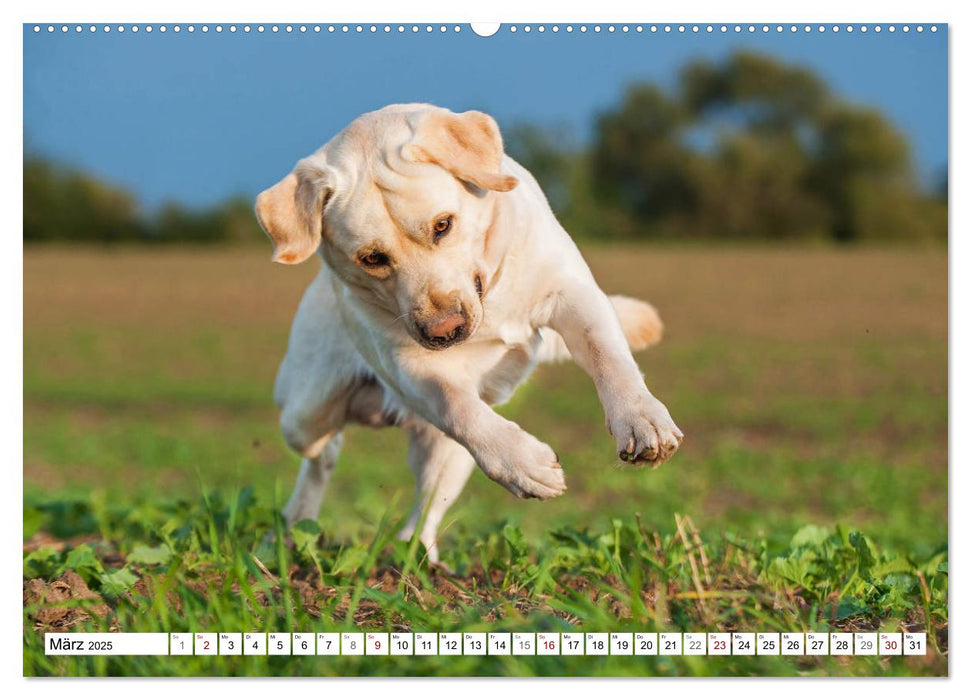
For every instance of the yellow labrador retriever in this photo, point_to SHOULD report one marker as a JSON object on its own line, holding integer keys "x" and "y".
{"x": 447, "y": 278}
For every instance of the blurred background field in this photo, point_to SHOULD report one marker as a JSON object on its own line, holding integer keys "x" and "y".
{"x": 811, "y": 384}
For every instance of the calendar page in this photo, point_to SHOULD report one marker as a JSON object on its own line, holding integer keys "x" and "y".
{"x": 400, "y": 348}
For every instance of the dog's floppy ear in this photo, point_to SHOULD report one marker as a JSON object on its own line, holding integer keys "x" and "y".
{"x": 468, "y": 145}
{"x": 291, "y": 212}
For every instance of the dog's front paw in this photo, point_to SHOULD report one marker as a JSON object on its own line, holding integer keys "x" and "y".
{"x": 526, "y": 467}
{"x": 645, "y": 431}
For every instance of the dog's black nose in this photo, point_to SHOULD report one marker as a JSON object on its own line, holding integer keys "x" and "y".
{"x": 446, "y": 330}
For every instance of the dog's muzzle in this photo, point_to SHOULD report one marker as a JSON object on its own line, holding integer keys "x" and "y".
{"x": 444, "y": 331}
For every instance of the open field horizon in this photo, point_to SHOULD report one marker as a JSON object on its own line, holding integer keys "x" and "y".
{"x": 811, "y": 384}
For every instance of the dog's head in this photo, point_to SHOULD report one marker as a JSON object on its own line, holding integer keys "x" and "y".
{"x": 400, "y": 205}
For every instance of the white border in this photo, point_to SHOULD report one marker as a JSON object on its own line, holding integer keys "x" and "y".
{"x": 830, "y": 11}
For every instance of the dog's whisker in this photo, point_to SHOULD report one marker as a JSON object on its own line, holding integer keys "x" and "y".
{"x": 395, "y": 320}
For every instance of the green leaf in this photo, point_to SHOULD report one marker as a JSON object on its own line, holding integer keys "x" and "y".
{"x": 864, "y": 554}
{"x": 900, "y": 565}
{"x": 809, "y": 535}
{"x": 116, "y": 582}
{"x": 793, "y": 569}
{"x": 851, "y": 607}
{"x": 266, "y": 552}
{"x": 150, "y": 556}
{"x": 350, "y": 559}
{"x": 904, "y": 583}
{"x": 305, "y": 535}
{"x": 42, "y": 563}
{"x": 82, "y": 558}
{"x": 516, "y": 540}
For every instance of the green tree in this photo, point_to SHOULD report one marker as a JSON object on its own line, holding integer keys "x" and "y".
{"x": 753, "y": 148}
{"x": 862, "y": 170}
{"x": 68, "y": 205}
{"x": 62, "y": 204}
{"x": 639, "y": 161}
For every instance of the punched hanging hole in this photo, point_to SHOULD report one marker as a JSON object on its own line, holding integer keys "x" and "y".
{"x": 485, "y": 28}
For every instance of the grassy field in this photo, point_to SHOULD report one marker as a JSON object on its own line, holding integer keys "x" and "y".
{"x": 810, "y": 492}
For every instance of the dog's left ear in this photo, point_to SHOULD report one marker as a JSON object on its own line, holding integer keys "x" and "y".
{"x": 292, "y": 211}
{"x": 468, "y": 145}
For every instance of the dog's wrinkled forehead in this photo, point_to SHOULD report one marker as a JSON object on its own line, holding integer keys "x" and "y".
{"x": 378, "y": 190}
{"x": 390, "y": 170}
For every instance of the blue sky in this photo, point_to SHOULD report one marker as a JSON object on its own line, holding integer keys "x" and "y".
{"x": 198, "y": 117}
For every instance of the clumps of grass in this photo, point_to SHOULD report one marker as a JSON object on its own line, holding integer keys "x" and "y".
{"x": 208, "y": 565}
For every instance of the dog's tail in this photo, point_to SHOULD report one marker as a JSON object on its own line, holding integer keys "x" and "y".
{"x": 641, "y": 323}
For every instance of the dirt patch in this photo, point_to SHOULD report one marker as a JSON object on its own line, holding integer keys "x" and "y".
{"x": 62, "y": 604}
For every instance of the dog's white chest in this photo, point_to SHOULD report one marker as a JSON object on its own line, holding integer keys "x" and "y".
{"x": 513, "y": 358}
{"x": 516, "y": 335}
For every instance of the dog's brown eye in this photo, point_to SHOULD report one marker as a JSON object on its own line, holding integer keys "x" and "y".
{"x": 374, "y": 259}
{"x": 442, "y": 227}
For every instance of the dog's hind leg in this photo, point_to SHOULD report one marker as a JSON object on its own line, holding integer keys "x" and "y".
{"x": 441, "y": 467}
{"x": 312, "y": 427}
{"x": 312, "y": 482}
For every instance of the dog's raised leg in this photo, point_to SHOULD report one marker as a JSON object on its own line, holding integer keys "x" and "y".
{"x": 506, "y": 453}
{"x": 592, "y": 331}
{"x": 441, "y": 467}
{"x": 312, "y": 482}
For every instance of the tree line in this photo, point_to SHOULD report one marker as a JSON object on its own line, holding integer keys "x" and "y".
{"x": 745, "y": 148}
{"x": 66, "y": 204}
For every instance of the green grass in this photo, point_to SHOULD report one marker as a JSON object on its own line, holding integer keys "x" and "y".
{"x": 811, "y": 385}
{"x": 195, "y": 566}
